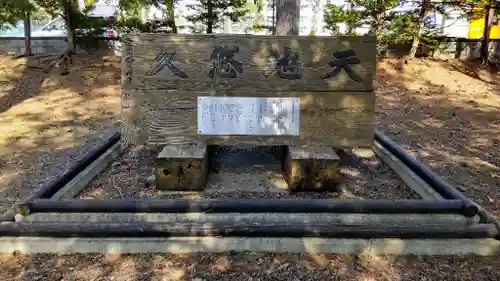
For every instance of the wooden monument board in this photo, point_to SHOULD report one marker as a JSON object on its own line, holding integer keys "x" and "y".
{"x": 189, "y": 91}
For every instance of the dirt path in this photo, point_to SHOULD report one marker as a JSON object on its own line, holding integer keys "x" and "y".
{"x": 48, "y": 120}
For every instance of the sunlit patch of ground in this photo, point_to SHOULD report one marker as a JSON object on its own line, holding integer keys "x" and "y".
{"x": 445, "y": 113}
{"x": 44, "y": 115}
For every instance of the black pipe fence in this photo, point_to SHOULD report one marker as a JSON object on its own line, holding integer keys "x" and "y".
{"x": 49, "y": 189}
{"x": 251, "y": 206}
{"x": 442, "y": 187}
{"x": 456, "y": 203}
{"x": 161, "y": 229}
{"x": 435, "y": 181}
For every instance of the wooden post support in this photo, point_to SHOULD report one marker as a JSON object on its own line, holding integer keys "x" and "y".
{"x": 182, "y": 167}
{"x": 312, "y": 168}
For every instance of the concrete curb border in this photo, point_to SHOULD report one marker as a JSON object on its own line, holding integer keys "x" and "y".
{"x": 347, "y": 219}
{"x": 80, "y": 181}
{"x": 411, "y": 179}
{"x": 481, "y": 247}
{"x": 27, "y": 245}
{"x": 61, "y": 180}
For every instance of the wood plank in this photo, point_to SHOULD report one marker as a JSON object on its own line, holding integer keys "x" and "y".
{"x": 182, "y": 167}
{"x": 308, "y": 100}
{"x": 362, "y": 138}
{"x": 251, "y": 62}
{"x": 261, "y": 56}
{"x": 171, "y": 62}
{"x": 131, "y": 128}
{"x": 338, "y": 119}
{"x": 346, "y": 218}
{"x": 128, "y": 127}
{"x": 411, "y": 179}
{"x": 312, "y": 168}
{"x": 78, "y": 183}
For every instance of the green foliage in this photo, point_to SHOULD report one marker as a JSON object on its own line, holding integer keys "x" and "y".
{"x": 401, "y": 28}
{"x": 220, "y": 9}
{"x": 256, "y": 16}
{"x": 259, "y": 4}
{"x": 84, "y": 29}
{"x": 404, "y": 27}
{"x": 130, "y": 21}
{"x": 261, "y": 27}
{"x": 375, "y": 14}
{"x": 135, "y": 25}
{"x": 357, "y": 13}
{"x": 335, "y": 15}
{"x": 131, "y": 8}
{"x": 52, "y": 7}
{"x": 130, "y": 25}
{"x": 389, "y": 27}
{"x": 12, "y": 11}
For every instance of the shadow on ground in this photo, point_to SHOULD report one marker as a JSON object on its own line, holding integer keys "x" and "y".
{"x": 48, "y": 120}
{"x": 446, "y": 118}
{"x": 244, "y": 266}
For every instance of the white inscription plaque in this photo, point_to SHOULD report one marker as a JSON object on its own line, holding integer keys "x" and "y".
{"x": 248, "y": 116}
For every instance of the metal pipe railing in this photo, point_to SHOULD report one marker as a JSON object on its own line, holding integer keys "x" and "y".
{"x": 162, "y": 229}
{"x": 434, "y": 180}
{"x": 252, "y": 206}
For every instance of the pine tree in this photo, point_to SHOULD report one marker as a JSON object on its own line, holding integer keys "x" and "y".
{"x": 12, "y": 12}
{"x": 357, "y": 13}
{"x": 211, "y": 13}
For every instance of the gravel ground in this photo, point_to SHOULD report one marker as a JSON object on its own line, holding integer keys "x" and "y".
{"x": 47, "y": 164}
{"x": 47, "y": 121}
{"x": 245, "y": 266}
{"x": 247, "y": 173}
{"x": 447, "y": 114}
{"x": 443, "y": 113}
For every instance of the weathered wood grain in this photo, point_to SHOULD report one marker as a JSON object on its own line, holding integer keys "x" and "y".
{"x": 339, "y": 119}
{"x": 312, "y": 168}
{"x": 171, "y": 62}
{"x": 131, "y": 125}
{"x": 160, "y": 88}
{"x": 308, "y": 100}
{"x": 313, "y": 56}
{"x": 182, "y": 167}
{"x": 254, "y": 56}
{"x": 128, "y": 128}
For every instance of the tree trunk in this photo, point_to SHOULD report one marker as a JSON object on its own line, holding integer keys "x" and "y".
{"x": 227, "y": 25}
{"x": 287, "y": 17}
{"x": 273, "y": 23}
{"x": 349, "y": 26}
{"x": 488, "y": 16}
{"x": 315, "y": 10}
{"x": 27, "y": 34}
{"x": 375, "y": 25}
{"x": 171, "y": 15}
{"x": 71, "y": 39}
{"x": 421, "y": 24}
{"x": 68, "y": 14}
{"x": 210, "y": 19}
